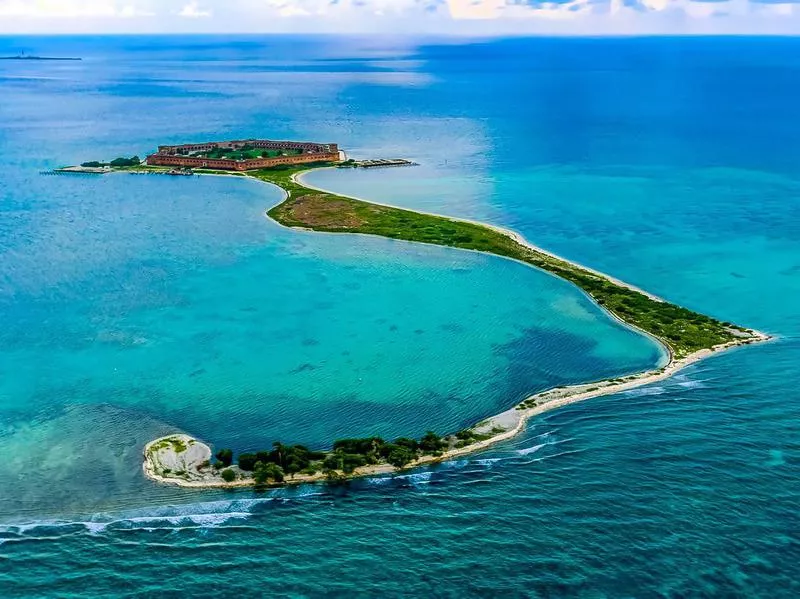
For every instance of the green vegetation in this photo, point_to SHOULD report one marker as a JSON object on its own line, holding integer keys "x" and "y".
{"x": 177, "y": 444}
{"x": 346, "y": 455}
{"x": 683, "y": 330}
{"x": 117, "y": 163}
{"x": 468, "y": 436}
{"x": 290, "y": 458}
{"x": 225, "y": 457}
{"x": 228, "y": 475}
{"x": 265, "y": 473}
{"x": 246, "y": 152}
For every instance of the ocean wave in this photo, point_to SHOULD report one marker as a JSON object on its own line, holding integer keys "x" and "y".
{"x": 209, "y": 514}
{"x": 377, "y": 480}
{"x": 551, "y": 456}
{"x": 478, "y": 481}
{"x": 454, "y": 464}
{"x": 644, "y": 391}
{"x": 528, "y": 450}
{"x": 416, "y": 477}
{"x": 690, "y": 384}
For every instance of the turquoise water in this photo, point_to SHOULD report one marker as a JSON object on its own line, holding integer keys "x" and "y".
{"x": 202, "y": 315}
{"x": 133, "y": 306}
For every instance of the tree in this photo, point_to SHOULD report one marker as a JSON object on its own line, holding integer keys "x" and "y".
{"x": 264, "y": 456}
{"x": 352, "y": 461}
{"x": 263, "y": 473}
{"x": 431, "y": 443}
{"x": 279, "y": 453}
{"x": 228, "y": 475}
{"x": 334, "y": 478}
{"x": 225, "y": 456}
{"x": 247, "y": 461}
{"x": 346, "y": 462}
{"x": 134, "y": 161}
{"x": 400, "y": 456}
{"x": 332, "y": 462}
{"x": 294, "y": 465}
{"x": 369, "y": 447}
{"x": 410, "y": 444}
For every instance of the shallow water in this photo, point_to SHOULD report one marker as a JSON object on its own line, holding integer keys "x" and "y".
{"x": 137, "y": 305}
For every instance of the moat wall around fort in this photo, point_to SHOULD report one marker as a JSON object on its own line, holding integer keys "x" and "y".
{"x": 178, "y": 155}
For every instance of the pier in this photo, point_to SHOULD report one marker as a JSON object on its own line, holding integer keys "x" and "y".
{"x": 383, "y": 162}
{"x": 77, "y": 170}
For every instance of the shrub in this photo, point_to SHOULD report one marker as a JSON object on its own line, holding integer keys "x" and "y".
{"x": 407, "y": 443}
{"x": 400, "y": 456}
{"x": 225, "y": 456}
{"x": 263, "y": 473}
{"x": 362, "y": 446}
{"x": 228, "y": 475}
{"x": 346, "y": 462}
{"x": 247, "y": 461}
{"x": 431, "y": 443}
{"x": 134, "y": 161}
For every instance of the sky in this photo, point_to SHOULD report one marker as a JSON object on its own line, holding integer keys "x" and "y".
{"x": 456, "y": 17}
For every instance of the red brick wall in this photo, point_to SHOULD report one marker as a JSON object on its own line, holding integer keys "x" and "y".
{"x": 234, "y": 165}
{"x": 256, "y": 143}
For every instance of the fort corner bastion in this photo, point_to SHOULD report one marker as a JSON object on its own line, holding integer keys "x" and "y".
{"x": 244, "y": 155}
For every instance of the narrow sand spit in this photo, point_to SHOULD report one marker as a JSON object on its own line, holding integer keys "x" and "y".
{"x": 182, "y": 460}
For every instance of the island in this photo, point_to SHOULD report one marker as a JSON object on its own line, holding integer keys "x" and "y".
{"x": 686, "y": 336}
{"x": 29, "y": 57}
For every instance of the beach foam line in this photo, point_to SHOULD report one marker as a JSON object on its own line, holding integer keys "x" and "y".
{"x": 209, "y": 514}
{"x": 529, "y": 450}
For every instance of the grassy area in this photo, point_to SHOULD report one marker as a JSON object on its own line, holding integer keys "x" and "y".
{"x": 683, "y": 330}
{"x": 246, "y": 153}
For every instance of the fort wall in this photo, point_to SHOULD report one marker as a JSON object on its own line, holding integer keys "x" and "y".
{"x": 237, "y": 165}
{"x": 176, "y": 155}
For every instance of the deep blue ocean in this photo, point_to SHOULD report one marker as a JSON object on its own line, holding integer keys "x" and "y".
{"x": 133, "y": 306}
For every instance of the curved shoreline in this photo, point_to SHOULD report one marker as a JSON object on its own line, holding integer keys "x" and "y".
{"x": 514, "y": 418}
{"x": 511, "y": 421}
{"x": 518, "y": 237}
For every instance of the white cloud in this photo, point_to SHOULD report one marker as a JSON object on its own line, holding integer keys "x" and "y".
{"x": 59, "y": 8}
{"x": 472, "y": 17}
{"x": 192, "y": 10}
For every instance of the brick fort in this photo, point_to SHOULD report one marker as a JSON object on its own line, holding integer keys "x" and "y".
{"x": 244, "y": 155}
